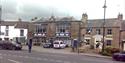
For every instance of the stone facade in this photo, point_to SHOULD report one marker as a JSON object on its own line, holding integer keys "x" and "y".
{"x": 93, "y": 31}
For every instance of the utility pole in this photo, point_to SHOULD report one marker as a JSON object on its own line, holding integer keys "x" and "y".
{"x": 103, "y": 40}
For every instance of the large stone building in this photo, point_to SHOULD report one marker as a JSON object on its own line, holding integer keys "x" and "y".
{"x": 96, "y": 29}
{"x": 65, "y": 28}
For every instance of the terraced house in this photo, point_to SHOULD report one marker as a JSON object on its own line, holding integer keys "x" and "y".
{"x": 88, "y": 31}
{"x": 93, "y": 30}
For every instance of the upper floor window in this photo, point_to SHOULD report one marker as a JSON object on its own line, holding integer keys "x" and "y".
{"x": 98, "y": 31}
{"x": 41, "y": 29}
{"x": 21, "y": 32}
{"x": 109, "y": 31}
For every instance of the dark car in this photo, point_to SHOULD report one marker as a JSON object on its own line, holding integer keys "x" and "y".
{"x": 47, "y": 45}
{"x": 119, "y": 56}
{"x": 10, "y": 45}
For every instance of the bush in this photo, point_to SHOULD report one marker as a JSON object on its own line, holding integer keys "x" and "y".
{"x": 109, "y": 51}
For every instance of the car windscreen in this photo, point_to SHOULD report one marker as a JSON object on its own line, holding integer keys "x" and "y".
{"x": 56, "y": 42}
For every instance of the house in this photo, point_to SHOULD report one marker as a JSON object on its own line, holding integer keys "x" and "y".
{"x": 95, "y": 30}
{"x": 13, "y": 30}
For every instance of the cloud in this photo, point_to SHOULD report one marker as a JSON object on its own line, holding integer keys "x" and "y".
{"x": 28, "y": 9}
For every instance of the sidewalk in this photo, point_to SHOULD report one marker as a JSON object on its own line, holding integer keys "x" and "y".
{"x": 63, "y": 51}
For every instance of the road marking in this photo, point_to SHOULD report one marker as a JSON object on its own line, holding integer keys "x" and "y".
{"x": 13, "y": 61}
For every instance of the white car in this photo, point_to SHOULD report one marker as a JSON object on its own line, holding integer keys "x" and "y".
{"x": 59, "y": 44}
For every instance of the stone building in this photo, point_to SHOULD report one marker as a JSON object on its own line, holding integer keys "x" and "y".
{"x": 89, "y": 31}
{"x": 56, "y": 28}
{"x": 92, "y": 31}
{"x": 122, "y": 36}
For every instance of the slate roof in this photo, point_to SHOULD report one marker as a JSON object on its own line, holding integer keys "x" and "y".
{"x": 53, "y": 18}
{"x": 17, "y": 24}
{"x": 108, "y": 23}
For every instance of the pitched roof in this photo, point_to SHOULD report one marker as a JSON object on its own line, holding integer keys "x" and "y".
{"x": 108, "y": 23}
{"x": 53, "y": 18}
{"x": 17, "y": 24}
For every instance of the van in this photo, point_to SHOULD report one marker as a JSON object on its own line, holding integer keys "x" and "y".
{"x": 59, "y": 44}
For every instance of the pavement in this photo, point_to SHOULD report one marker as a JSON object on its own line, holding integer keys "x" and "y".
{"x": 64, "y": 51}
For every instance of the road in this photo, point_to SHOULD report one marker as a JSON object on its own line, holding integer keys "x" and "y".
{"x": 8, "y": 56}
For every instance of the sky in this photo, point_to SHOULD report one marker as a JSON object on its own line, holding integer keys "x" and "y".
{"x": 28, "y": 9}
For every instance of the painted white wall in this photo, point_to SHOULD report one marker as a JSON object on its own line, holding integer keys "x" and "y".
{"x": 13, "y": 32}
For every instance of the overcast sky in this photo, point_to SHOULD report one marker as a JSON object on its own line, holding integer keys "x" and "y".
{"x": 27, "y": 9}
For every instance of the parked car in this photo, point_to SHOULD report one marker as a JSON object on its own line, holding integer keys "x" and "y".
{"x": 59, "y": 44}
{"x": 119, "y": 56}
{"x": 10, "y": 45}
{"x": 47, "y": 45}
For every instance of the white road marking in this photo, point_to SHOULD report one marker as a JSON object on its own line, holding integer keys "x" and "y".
{"x": 14, "y": 61}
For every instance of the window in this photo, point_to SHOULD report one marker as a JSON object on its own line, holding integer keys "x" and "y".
{"x": 21, "y": 32}
{"x": 7, "y": 31}
{"x": 109, "y": 42}
{"x": 109, "y": 31}
{"x": 88, "y": 30}
{"x": 98, "y": 31}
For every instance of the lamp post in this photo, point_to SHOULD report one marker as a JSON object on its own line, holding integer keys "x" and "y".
{"x": 0, "y": 18}
{"x": 79, "y": 37}
{"x": 103, "y": 40}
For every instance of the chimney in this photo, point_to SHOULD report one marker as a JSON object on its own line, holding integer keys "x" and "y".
{"x": 120, "y": 16}
{"x": 84, "y": 17}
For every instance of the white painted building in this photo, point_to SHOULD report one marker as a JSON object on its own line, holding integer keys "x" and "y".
{"x": 9, "y": 30}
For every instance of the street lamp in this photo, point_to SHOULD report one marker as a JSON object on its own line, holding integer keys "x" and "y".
{"x": 103, "y": 40}
{"x": 79, "y": 36}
